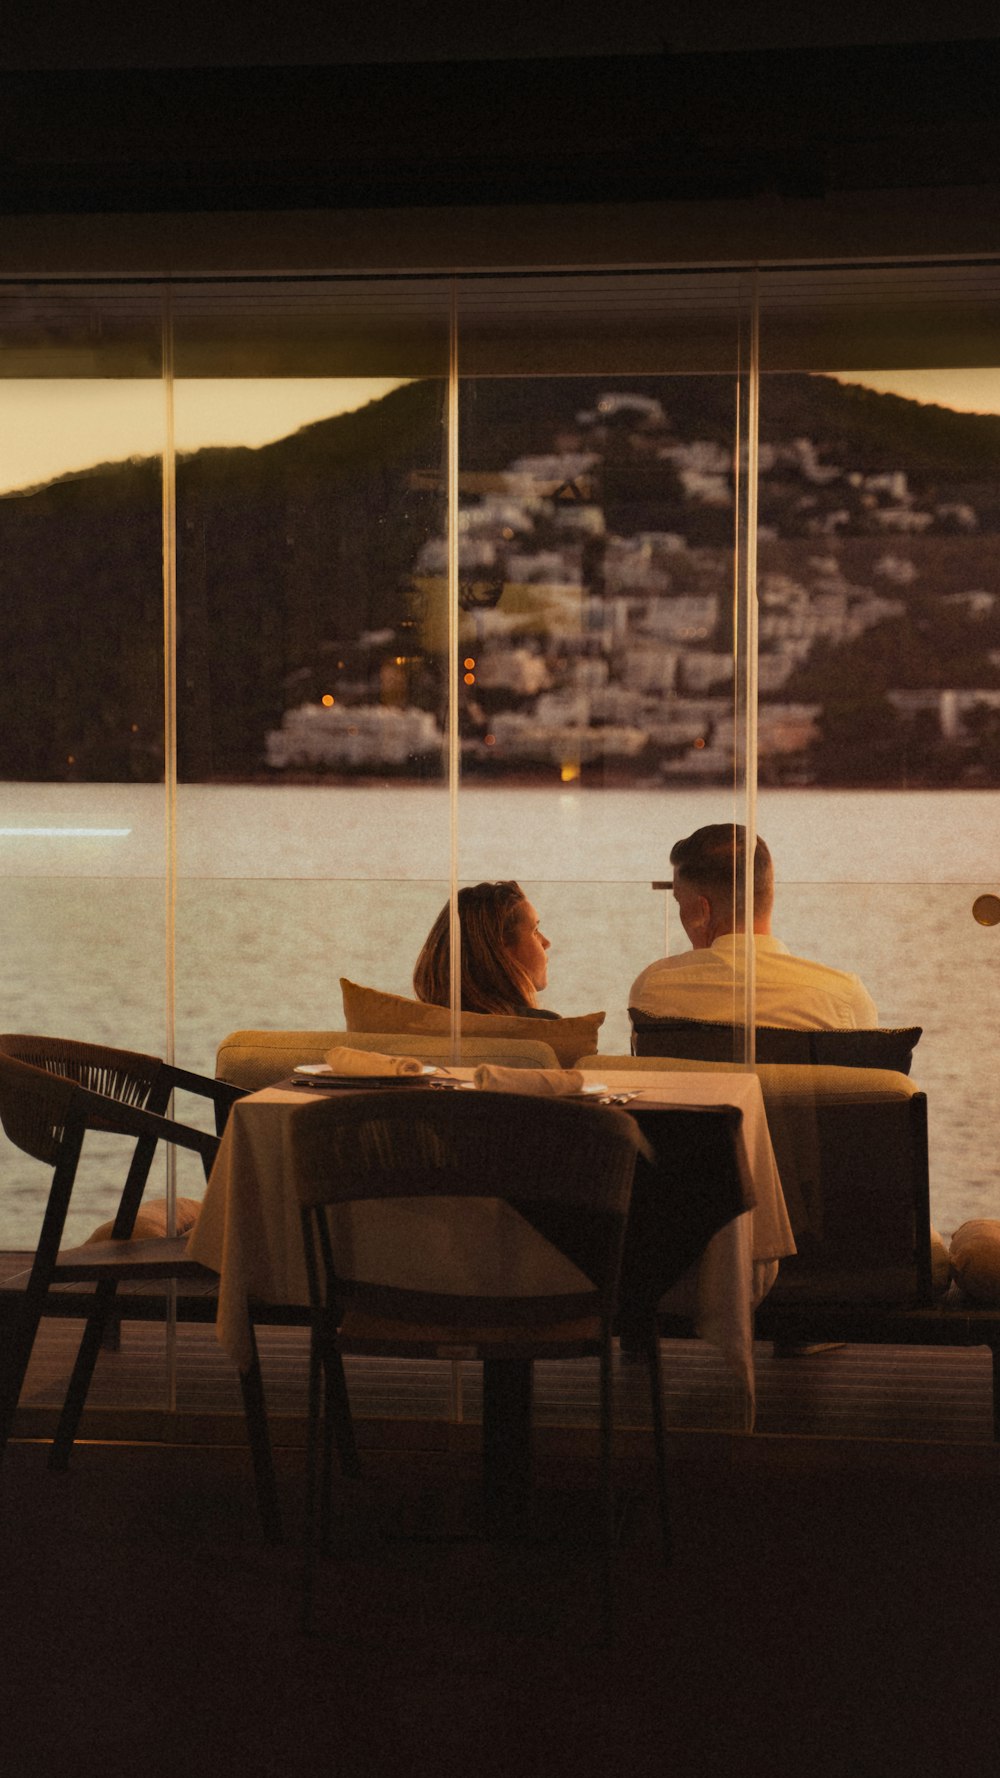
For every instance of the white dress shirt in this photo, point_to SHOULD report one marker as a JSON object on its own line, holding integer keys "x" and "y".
{"x": 792, "y": 991}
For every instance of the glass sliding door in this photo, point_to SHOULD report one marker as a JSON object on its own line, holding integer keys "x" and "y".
{"x": 879, "y": 672}
{"x": 605, "y": 544}
{"x": 82, "y": 856}
{"x": 312, "y": 807}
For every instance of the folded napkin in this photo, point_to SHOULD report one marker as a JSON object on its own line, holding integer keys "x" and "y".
{"x": 545, "y": 1083}
{"x": 348, "y": 1061}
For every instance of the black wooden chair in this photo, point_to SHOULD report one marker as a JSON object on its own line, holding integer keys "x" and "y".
{"x": 53, "y": 1091}
{"x": 565, "y": 1169}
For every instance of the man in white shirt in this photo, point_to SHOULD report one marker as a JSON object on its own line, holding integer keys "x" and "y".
{"x": 706, "y": 982}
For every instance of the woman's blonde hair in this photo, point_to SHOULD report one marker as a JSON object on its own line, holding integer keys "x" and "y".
{"x": 492, "y": 980}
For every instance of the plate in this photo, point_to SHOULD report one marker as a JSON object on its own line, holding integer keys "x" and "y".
{"x": 362, "y": 1080}
{"x": 321, "y": 1071}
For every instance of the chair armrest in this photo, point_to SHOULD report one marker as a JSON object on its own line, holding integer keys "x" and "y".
{"x": 101, "y": 1113}
{"x": 221, "y": 1092}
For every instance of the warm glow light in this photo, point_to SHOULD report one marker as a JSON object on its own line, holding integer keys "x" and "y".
{"x": 699, "y": 742}
{"x": 65, "y": 833}
{"x": 490, "y": 740}
{"x": 569, "y": 773}
{"x": 470, "y": 661}
{"x": 56, "y": 426}
{"x": 968, "y": 391}
{"x": 327, "y": 699}
{"x": 470, "y": 678}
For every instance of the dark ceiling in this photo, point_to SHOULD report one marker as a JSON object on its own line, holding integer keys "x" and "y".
{"x": 796, "y": 122}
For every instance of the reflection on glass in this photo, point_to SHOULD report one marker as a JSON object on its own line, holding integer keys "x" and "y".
{"x": 313, "y": 830}
{"x": 81, "y": 701}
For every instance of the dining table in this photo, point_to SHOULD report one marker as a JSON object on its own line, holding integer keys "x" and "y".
{"x": 707, "y": 1227}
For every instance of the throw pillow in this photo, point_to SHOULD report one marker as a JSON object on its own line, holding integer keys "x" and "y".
{"x": 151, "y": 1221}
{"x": 975, "y": 1259}
{"x": 368, "y": 1009}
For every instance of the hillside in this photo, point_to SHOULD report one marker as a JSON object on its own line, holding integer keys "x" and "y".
{"x": 289, "y": 556}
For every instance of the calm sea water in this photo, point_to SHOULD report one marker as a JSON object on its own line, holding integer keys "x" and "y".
{"x": 283, "y": 889}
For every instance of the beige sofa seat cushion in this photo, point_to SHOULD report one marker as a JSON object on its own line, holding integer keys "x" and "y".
{"x": 369, "y": 1009}
{"x": 254, "y": 1058}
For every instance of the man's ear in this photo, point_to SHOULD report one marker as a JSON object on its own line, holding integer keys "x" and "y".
{"x": 706, "y": 914}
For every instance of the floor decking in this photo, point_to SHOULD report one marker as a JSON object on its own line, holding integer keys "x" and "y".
{"x": 929, "y": 1394}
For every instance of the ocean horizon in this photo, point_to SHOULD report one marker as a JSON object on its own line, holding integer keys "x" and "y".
{"x": 283, "y": 889}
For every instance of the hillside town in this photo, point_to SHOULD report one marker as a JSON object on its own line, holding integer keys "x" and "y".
{"x": 590, "y": 649}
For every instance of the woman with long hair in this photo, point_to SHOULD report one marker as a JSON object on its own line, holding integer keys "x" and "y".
{"x": 504, "y": 961}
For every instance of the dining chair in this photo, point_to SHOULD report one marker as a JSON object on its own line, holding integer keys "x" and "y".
{"x": 559, "y": 1175}
{"x": 53, "y": 1092}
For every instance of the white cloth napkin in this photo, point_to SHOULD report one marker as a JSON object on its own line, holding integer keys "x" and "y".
{"x": 547, "y": 1083}
{"x": 347, "y": 1061}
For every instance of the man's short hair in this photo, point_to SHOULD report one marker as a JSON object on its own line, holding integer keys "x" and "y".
{"x": 713, "y": 859}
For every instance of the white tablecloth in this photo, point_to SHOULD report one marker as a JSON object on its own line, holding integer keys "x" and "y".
{"x": 249, "y": 1229}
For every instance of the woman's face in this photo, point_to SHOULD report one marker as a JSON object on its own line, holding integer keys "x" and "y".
{"x": 528, "y": 946}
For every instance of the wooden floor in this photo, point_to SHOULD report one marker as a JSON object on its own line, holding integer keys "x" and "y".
{"x": 929, "y": 1394}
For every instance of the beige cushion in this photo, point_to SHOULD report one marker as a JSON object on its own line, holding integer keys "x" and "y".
{"x": 151, "y": 1222}
{"x": 975, "y": 1259}
{"x": 368, "y": 1009}
{"x": 253, "y": 1059}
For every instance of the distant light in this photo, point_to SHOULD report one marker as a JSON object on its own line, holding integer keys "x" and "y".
{"x": 490, "y": 740}
{"x": 327, "y": 699}
{"x": 569, "y": 773}
{"x": 699, "y": 742}
{"x": 64, "y": 833}
{"x": 469, "y": 661}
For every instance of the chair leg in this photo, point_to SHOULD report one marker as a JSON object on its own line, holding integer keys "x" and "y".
{"x": 607, "y": 1494}
{"x": 101, "y": 1316}
{"x": 312, "y": 1466}
{"x": 995, "y": 1356}
{"x": 337, "y": 1411}
{"x": 507, "y": 1391}
{"x": 259, "y": 1438}
{"x": 17, "y": 1356}
{"x": 659, "y": 1441}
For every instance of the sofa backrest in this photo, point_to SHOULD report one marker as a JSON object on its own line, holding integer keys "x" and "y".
{"x": 711, "y": 1040}
{"x": 255, "y": 1059}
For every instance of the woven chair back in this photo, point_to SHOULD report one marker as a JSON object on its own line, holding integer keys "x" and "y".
{"x": 566, "y": 1169}
{"x": 41, "y": 1078}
